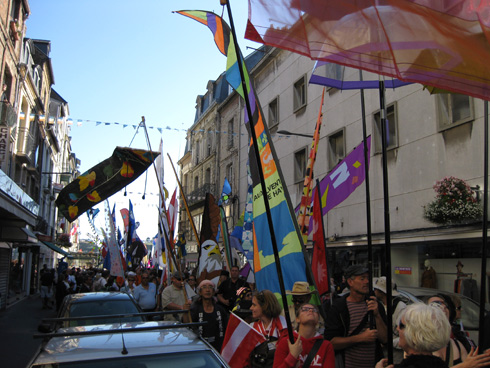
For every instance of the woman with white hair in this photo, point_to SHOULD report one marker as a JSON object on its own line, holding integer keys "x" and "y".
{"x": 424, "y": 329}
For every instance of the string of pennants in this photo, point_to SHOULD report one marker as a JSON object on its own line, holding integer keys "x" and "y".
{"x": 80, "y": 122}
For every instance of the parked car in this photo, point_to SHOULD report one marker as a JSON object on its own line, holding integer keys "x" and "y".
{"x": 129, "y": 345}
{"x": 95, "y": 304}
{"x": 470, "y": 310}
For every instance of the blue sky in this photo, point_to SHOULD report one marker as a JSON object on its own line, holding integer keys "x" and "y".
{"x": 116, "y": 61}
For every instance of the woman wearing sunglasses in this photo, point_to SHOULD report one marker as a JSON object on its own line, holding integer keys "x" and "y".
{"x": 422, "y": 329}
{"x": 309, "y": 348}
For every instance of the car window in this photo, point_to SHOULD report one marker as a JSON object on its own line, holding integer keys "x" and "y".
{"x": 102, "y": 307}
{"x": 195, "y": 359}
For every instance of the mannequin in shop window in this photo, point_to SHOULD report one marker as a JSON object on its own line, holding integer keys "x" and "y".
{"x": 429, "y": 277}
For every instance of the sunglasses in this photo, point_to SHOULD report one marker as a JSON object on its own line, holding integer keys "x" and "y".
{"x": 401, "y": 325}
{"x": 130, "y": 279}
{"x": 309, "y": 309}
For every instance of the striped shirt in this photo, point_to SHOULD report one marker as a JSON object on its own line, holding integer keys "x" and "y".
{"x": 361, "y": 355}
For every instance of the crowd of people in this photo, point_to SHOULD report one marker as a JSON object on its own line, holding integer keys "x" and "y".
{"x": 347, "y": 331}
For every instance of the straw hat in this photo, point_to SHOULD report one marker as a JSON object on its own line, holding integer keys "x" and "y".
{"x": 300, "y": 288}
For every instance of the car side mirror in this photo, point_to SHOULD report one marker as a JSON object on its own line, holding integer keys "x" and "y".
{"x": 45, "y": 328}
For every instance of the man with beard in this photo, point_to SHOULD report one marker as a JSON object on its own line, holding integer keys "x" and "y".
{"x": 347, "y": 325}
{"x": 205, "y": 309}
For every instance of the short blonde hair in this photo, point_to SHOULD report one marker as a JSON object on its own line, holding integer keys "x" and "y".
{"x": 427, "y": 328}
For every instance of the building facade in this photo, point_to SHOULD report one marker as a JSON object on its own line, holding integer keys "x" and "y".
{"x": 430, "y": 137}
{"x": 34, "y": 149}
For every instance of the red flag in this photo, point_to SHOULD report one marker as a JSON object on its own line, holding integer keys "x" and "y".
{"x": 240, "y": 340}
{"x": 319, "y": 259}
{"x": 125, "y": 217}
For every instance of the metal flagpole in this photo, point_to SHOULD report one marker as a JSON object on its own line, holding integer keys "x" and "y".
{"x": 481, "y": 328}
{"x": 389, "y": 305}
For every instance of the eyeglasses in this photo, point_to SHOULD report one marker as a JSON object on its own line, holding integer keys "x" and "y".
{"x": 438, "y": 303}
{"x": 309, "y": 309}
{"x": 132, "y": 279}
{"x": 178, "y": 279}
{"x": 401, "y": 325}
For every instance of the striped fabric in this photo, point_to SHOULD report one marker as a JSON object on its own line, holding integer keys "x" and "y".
{"x": 360, "y": 355}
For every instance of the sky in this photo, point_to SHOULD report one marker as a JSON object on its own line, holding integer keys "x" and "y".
{"x": 116, "y": 61}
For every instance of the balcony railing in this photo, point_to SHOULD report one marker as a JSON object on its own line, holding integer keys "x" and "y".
{"x": 7, "y": 114}
{"x": 200, "y": 193}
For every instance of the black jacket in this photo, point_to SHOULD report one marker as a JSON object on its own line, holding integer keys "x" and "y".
{"x": 337, "y": 323}
{"x": 422, "y": 361}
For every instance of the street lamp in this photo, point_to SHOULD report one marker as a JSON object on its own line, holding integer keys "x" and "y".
{"x": 285, "y": 132}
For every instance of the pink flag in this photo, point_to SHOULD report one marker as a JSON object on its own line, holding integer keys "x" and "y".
{"x": 240, "y": 340}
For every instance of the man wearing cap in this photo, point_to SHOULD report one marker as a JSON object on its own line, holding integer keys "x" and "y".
{"x": 173, "y": 296}
{"x": 347, "y": 325}
{"x": 205, "y": 309}
{"x": 379, "y": 286}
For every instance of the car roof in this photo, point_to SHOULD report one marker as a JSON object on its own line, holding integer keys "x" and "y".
{"x": 110, "y": 344}
{"x": 97, "y": 296}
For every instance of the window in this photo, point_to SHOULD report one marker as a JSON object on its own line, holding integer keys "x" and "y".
{"x": 300, "y": 165}
{"x": 299, "y": 94}
{"x": 209, "y": 143}
{"x": 273, "y": 118}
{"x": 231, "y": 133}
{"x": 391, "y": 132}
{"x": 196, "y": 152}
{"x": 229, "y": 174}
{"x": 336, "y": 149}
{"x": 196, "y": 182}
{"x": 207, "y": 176}
{"x": 453, "y": 110}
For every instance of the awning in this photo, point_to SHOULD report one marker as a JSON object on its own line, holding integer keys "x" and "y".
{"x": 17, "y": 235}
{"x": 57, "y": 249}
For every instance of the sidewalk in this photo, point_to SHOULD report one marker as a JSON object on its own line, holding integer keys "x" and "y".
{"x": 18, "y": 323}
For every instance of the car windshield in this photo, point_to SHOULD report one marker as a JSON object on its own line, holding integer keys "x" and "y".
{"x": 184, "y": 359}
{"x": 102, "y": 307}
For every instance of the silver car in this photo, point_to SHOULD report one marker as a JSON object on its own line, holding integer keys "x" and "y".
{"x": 127, "y": 345}
{"x": 470, "y": 310}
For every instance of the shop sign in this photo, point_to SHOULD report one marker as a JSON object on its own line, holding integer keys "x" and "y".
{"x": 403, "y": 270}
{"x": 4, "y": 139}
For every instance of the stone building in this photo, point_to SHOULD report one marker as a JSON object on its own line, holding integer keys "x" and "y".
{"x": 35, "y": 156}
{"x": 431, "y": 136}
